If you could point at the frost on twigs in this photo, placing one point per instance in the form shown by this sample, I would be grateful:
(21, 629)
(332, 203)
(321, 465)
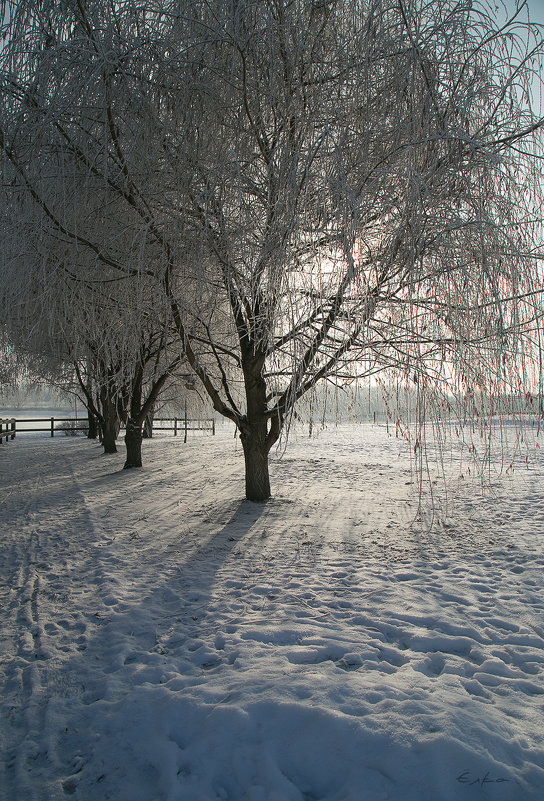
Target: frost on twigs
(274, 197)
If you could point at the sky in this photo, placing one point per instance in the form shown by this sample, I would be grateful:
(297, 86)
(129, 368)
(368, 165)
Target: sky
(536, 9)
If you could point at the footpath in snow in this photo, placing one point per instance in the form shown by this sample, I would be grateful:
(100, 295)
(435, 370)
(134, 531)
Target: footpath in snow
(164, 640)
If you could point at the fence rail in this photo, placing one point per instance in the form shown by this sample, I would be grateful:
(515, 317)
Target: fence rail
(183, 425)
(9, 428)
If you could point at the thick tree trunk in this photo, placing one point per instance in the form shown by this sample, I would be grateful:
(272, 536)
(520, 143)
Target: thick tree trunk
(133, 442)
(92, 431)
(254, 428)
(256, 464)
(109, 435)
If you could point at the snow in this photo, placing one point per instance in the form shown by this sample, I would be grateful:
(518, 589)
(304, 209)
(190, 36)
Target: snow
(164, 640)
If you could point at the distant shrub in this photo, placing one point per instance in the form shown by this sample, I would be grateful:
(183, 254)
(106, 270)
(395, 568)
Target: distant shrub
(72, 428)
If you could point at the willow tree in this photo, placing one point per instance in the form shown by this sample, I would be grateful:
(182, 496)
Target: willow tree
(88, 332)
(79, 265)
(319, 189)
(365, 190)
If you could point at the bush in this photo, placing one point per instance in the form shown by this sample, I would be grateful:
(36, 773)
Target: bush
(73, 427)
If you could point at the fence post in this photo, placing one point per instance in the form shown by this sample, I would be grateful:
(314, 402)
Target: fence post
(213, 427)
(52, 426)
(175, 426)
(1, 430)
(185, 437)
(13, 427)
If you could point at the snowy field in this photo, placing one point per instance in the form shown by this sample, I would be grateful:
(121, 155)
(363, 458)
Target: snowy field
(163, 640)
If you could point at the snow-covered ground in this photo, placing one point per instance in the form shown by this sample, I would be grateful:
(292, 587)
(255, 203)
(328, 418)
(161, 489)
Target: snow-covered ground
(164, 640)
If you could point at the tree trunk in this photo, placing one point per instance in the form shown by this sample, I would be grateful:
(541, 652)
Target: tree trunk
(92, 432)
(256, 463)
(110, 423)
(109, 434)
(148, 425)
(133, 442)
(254, 427)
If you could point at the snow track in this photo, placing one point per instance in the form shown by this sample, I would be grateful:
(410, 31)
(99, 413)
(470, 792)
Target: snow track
(163, 640)
(47, 588)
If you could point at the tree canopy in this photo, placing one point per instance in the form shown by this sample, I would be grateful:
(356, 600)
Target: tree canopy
(302, 191)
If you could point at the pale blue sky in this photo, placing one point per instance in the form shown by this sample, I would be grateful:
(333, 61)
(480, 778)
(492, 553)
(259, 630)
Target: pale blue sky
(536, 10)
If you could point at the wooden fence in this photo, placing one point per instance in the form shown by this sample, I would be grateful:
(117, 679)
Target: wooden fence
(69, 425)
(7, 429)
(178, 425)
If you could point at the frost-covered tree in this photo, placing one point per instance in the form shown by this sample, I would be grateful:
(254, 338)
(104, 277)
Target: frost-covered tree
(97, 339)
(365, 189)
(77, 260)
(319, 190)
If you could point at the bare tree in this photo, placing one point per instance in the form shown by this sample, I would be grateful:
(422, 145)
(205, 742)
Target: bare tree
(320, 190)
(364, 187)
(77, 254)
